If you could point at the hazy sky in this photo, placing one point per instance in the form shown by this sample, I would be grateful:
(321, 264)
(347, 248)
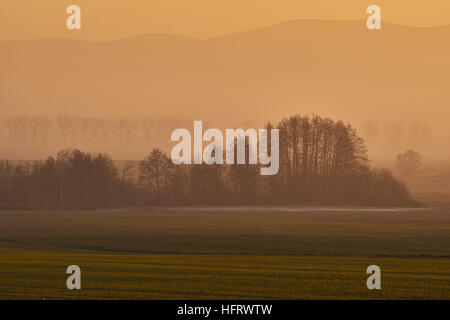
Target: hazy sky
(114, 19)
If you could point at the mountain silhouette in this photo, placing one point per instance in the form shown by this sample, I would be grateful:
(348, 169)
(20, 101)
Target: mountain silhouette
(334, 68)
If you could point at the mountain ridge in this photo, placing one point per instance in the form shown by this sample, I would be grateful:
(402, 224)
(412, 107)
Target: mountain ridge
(259, 28)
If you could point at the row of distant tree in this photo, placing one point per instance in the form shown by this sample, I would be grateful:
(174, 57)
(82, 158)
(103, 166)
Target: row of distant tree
(69, 129)
(396, 132)
(321, 162)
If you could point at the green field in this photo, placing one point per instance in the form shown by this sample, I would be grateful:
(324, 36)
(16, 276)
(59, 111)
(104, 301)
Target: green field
(200, 253)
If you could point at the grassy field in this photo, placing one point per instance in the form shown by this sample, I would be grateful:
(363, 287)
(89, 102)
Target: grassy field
(212, 253)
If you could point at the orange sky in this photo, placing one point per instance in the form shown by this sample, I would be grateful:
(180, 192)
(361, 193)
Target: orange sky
(113, 19)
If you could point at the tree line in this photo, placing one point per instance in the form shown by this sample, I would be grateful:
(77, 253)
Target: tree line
(394, 133)
(68, 129)
(321, 162)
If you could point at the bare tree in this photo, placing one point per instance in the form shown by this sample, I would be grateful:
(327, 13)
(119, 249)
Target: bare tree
(126, 172)
(419, 132)
(64, 123)
(153, 171)
(408, 163)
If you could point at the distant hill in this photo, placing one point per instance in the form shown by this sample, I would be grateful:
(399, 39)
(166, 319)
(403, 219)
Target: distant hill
(333, 68)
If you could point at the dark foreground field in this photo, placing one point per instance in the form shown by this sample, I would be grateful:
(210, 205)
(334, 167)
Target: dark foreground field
(217, 253)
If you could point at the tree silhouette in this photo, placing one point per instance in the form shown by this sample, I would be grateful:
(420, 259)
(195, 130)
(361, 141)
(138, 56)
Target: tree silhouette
(408, 163)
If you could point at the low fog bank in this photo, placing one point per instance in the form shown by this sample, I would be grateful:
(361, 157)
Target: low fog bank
(34, 137)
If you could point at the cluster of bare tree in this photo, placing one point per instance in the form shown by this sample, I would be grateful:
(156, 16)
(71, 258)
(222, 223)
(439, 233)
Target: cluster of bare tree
(24, 128)
(408, 162)
(69, 130)
(321, 162)
(396, 133)
(73, 179)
